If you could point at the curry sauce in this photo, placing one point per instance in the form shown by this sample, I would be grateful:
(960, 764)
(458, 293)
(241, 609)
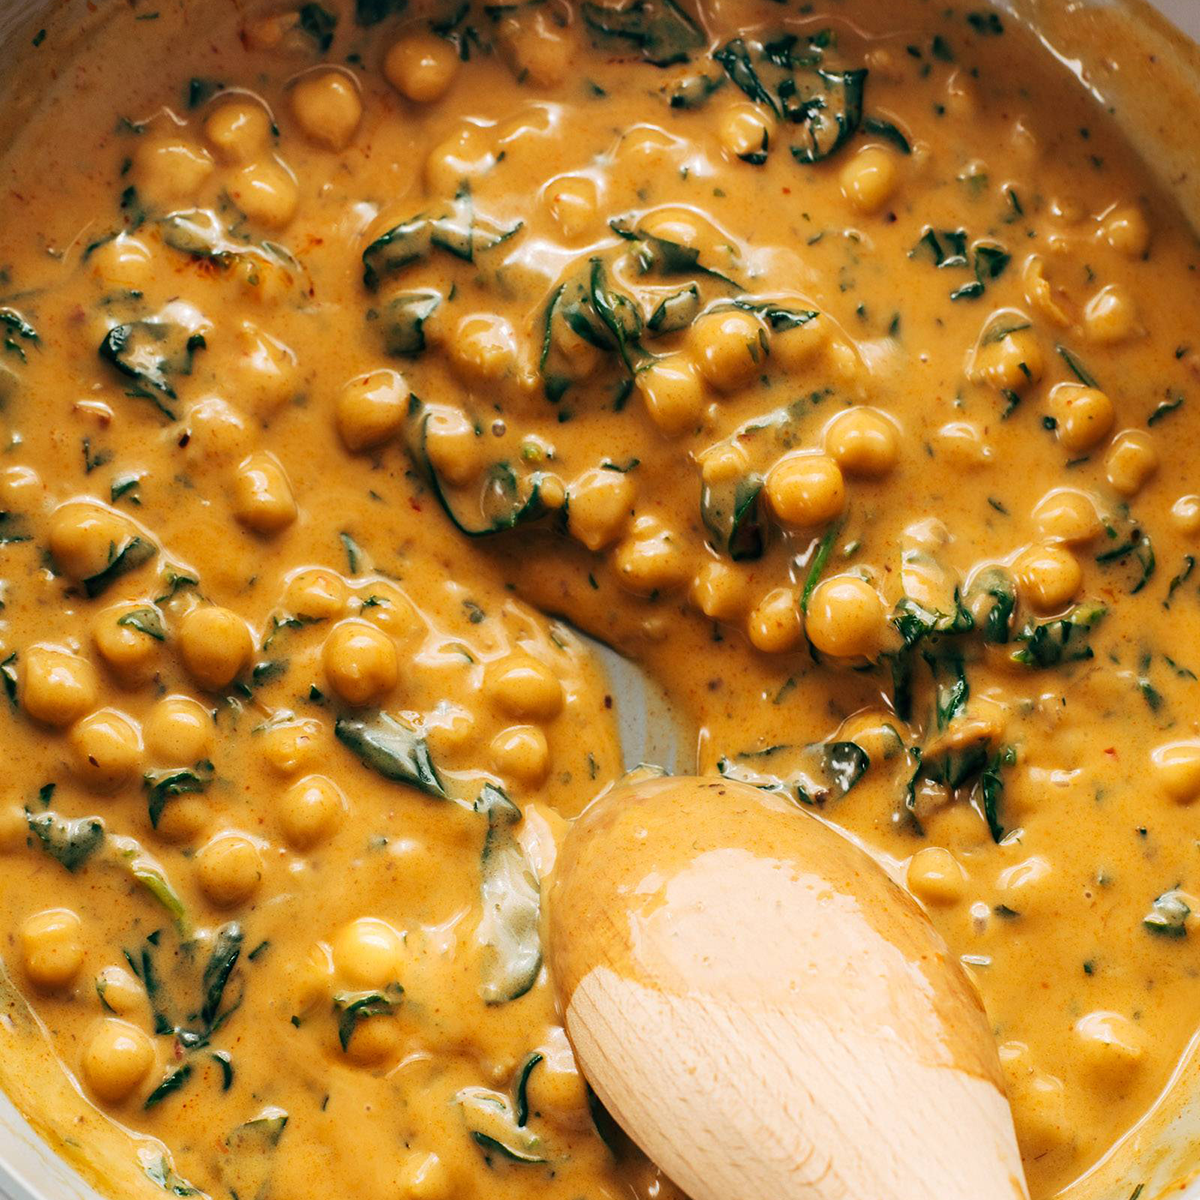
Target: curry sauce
(836, 362)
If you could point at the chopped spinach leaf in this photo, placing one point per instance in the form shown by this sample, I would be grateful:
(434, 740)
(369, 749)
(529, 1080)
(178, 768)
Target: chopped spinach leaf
(1136, 551)
(508, 937)
(1164, 408)
(1077, 368)
(172, 1081)
(991, 789)
(459, 231)
(504, 495)
(134, 552)
(813, 774)
(1063, 640)
(1189, 565)
(319, 23)
(1168, 916)
(819, 560)
(732, 514)
(492, 1122)
(371, 12)
(889, 132)
(660, 30)
(164, 786)
(145, 620)
(394, 750)
(69, 842)
(355, 1007)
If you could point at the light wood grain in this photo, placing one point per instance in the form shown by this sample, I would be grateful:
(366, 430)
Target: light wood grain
(765, 1012)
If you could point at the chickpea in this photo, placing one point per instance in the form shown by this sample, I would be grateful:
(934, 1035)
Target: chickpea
(723, 463)
(743, 131)
(1040, 1113)
(367, 953)
(19, 484)
(266, 192)
(122, 641)
(125, 262)
(238, 130)
(1176, 768)
(265, 373)
(118, 1056)
(1067, 515)
(229, 868)
(119, 991)
(83, 535)
(291, 746)
(869, 179)
(316, 594)
(795, 349)
(1111, 1047)
(215, 645)
(327, 107)
(730, 347)
(56, 686)
(645, 149)
(673, 393)
(573, 202)
(452, 445)
(390, 609)
(108, 749)
(360, 661)
(650, 560)
(521, 753)
(775, 625)
(846, 617)
(1130, 462)
(1110, 315)
(720, 591)
(963, 444)
(1127, 231)
(1185, 514)
(14, 828)
(426, 1177)
(483, 349)
(935, 876)
(1028, 884)
(52, 948)
(184, 819)
(1083, 416)
(863, 442)
(1012, 363)
(1048, 576)
(374, 1041)
(461, 156)
(262, 496)
(371, 409)
(170, 170)
(558, 1094)
(600, 502)
(805, 489)
(421, 66)
(178, 731)
(218, 433)
(523, 687)
(311, 810)
(539, 45)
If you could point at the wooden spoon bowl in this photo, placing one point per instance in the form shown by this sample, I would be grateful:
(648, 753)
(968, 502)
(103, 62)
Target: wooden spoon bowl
(764, 1011)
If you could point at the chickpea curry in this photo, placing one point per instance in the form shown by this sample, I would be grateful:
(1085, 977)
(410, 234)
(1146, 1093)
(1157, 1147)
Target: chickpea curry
(836, 362)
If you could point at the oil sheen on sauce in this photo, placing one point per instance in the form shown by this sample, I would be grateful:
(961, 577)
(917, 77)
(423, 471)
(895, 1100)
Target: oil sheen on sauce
(838, 362)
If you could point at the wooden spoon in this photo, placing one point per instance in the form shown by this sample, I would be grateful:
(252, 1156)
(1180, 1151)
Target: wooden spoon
(764, 1011)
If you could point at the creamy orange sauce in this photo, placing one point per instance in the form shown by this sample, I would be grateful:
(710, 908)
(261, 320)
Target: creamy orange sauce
(883, 464)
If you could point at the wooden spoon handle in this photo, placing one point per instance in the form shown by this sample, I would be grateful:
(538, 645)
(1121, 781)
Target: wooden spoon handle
(845, 1117)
